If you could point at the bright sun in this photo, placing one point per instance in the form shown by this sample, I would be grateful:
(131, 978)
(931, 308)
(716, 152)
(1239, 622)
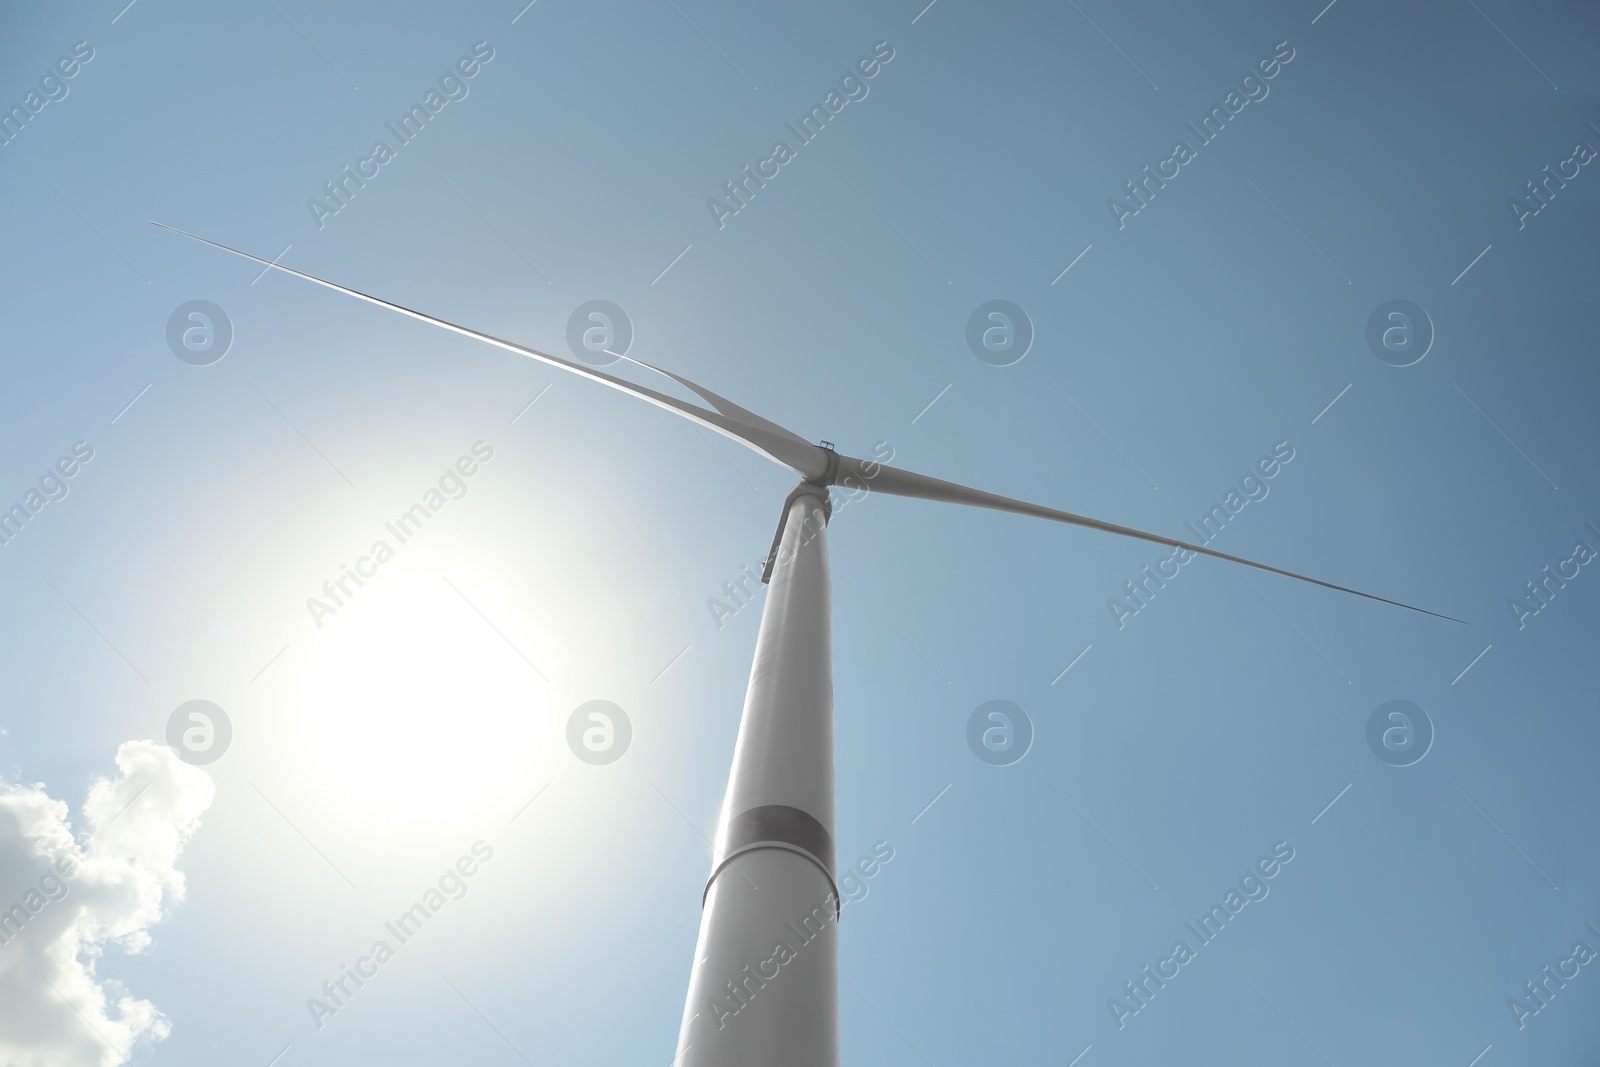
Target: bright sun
(412, 706)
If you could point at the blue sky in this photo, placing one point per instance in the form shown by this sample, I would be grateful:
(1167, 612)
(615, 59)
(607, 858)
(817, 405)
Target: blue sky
(372, 752)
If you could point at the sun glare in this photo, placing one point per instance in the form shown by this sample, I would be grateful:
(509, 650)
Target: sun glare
(411, 706)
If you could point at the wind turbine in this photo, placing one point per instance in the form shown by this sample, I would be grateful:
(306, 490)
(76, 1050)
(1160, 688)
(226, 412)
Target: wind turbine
(763, 986)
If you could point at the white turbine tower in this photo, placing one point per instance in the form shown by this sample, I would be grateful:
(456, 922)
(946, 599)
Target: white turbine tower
(763, 986)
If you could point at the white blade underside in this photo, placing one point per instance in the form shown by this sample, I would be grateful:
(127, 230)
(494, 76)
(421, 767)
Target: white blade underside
(793, 451)
(879, 478)
(768, 438)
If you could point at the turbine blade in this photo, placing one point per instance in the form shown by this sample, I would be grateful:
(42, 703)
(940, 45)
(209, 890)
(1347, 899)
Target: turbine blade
(729, 419)
(723, 405)
(879, 478)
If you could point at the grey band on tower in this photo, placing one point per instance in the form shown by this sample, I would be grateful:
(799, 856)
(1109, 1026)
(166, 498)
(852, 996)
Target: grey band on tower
(777, 826)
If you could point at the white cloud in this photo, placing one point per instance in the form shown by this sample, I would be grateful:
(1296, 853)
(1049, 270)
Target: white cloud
(61, 900)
